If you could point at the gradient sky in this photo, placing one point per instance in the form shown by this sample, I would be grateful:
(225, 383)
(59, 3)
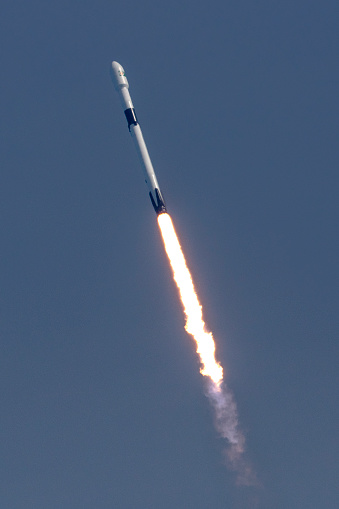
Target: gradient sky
(102, 403)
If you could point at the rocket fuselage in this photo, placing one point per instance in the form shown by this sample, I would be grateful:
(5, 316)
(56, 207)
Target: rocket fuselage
(121, 85)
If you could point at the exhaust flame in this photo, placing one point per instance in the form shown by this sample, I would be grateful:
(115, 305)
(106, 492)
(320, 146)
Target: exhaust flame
(195, 324)
(221, 398)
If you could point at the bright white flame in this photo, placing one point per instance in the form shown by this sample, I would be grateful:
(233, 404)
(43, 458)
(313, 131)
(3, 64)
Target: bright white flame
(195, 324)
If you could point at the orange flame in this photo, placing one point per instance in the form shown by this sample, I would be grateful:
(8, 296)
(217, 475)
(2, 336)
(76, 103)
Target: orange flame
(195, 324)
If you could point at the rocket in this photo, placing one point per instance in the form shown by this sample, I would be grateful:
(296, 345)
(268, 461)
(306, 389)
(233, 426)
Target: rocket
(121, 85)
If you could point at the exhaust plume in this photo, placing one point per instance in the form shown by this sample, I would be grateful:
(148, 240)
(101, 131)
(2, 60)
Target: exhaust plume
(221, 398)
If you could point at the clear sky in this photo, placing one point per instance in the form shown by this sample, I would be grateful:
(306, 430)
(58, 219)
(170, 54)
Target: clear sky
(102, 403)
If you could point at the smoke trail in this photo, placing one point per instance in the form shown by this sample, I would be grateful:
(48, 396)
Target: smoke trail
(226, 416)
(227, 425)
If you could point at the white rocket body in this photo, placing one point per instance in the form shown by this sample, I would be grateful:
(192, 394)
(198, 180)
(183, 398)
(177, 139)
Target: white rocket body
(121, 85)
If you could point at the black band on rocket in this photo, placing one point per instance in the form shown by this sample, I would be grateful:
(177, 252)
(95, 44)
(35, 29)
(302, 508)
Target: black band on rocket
(160, 206)
(131, 117)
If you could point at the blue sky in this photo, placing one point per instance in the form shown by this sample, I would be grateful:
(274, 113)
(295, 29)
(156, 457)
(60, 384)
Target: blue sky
(102, 403)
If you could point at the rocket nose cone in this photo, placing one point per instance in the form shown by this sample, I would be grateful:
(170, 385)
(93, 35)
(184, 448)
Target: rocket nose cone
(116, 65)
(118, 76)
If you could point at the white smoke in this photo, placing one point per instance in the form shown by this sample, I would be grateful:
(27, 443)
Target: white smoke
(227, 425)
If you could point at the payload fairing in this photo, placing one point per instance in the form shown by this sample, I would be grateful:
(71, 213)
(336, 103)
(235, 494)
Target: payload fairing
(121, 85)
